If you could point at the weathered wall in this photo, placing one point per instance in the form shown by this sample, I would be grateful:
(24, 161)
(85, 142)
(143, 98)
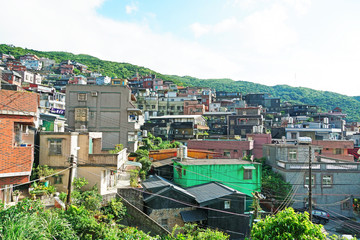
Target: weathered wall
(172, 215)
(136, 218)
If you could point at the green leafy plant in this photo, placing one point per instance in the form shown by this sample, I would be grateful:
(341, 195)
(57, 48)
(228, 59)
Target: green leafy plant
(118, 148)
(287, 225)
(193, 232)
(44, 171)
(134, 175)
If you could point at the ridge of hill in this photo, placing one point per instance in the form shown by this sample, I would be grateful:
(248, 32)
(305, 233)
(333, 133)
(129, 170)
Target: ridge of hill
(325, 100)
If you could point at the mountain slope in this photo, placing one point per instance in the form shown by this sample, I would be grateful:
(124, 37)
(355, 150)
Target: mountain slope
(324, 99)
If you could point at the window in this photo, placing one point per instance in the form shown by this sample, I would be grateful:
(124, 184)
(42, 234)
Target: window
(164, 222)
(242, 121)
(226, 204)
(23, 136)
(132, 137)
(292, 154)
(338, 151)
(327, 181)
(82, 96)
(55, 146)
(346, 205)
(227, 153)
(306, 181)
(81, 114)
(58, 179)
(248, 174)
(293, 136)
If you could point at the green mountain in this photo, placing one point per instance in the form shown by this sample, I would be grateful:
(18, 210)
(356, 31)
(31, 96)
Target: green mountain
(324, 99)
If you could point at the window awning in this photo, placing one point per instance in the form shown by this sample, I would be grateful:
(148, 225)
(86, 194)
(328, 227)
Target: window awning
(249, 167)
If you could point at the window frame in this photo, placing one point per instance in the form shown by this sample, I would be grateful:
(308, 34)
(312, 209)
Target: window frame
(331, 179)
(82, 97)
(52, 142)
(247, 174)
(164, 222)
(291, 153)
(227, 204)
(306, 177)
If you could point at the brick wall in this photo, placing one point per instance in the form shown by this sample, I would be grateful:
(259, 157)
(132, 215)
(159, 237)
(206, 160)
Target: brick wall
(14, 159)
(259, 141)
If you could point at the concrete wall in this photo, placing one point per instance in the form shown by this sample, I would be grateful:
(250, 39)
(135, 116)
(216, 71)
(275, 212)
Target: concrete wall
(107, 112)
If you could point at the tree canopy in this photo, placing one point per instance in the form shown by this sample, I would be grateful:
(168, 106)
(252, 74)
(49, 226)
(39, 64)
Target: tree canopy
(287, 225)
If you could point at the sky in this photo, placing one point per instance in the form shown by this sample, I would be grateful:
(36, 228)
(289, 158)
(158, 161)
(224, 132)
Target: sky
(307, 43)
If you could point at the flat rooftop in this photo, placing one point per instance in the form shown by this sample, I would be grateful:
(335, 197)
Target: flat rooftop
(225, 161)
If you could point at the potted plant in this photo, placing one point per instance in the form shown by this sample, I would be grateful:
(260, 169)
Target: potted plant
(16, 195)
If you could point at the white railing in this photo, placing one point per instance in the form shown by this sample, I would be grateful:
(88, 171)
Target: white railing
(304, 166)
(341, 166)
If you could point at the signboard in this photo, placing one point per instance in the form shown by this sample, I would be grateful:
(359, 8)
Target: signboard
(57, 111)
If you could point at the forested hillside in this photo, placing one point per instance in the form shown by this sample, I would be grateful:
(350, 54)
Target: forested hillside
(324, 99)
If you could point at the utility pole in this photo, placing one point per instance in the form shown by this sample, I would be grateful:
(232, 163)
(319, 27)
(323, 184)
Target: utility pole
(68, 197)
(310, 185)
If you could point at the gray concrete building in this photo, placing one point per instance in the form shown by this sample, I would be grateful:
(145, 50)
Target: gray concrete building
(335, 183)
(107, 109)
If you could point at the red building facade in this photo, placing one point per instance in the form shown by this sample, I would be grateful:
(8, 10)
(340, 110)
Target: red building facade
(18, 114)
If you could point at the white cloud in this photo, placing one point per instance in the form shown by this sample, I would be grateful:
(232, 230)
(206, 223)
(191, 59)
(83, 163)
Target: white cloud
(84, 31)
(300, 6)
(131, 8)
(265, 46)
(264, 31)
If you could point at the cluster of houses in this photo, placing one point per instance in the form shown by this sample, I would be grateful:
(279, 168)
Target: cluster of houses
(49, 115)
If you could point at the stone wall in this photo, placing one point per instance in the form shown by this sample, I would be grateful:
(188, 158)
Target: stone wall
(136, 218)
(172, 216)
(133, 196)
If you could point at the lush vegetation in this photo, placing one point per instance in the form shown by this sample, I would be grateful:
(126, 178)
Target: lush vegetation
(30, 220)
(324, 99)
(287, 225)
(273, 186)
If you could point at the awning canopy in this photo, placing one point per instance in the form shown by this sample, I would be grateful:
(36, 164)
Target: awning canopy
(248, 167)
(193, 215)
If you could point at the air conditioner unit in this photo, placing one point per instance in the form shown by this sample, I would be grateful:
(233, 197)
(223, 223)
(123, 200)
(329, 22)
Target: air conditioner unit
(94, 94)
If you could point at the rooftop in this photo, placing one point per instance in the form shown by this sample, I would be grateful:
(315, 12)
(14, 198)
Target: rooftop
(176, 116)
(210, 191)
(214, 162)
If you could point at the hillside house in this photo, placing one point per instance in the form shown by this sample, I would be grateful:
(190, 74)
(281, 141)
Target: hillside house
(19, 119)
(334, 181)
